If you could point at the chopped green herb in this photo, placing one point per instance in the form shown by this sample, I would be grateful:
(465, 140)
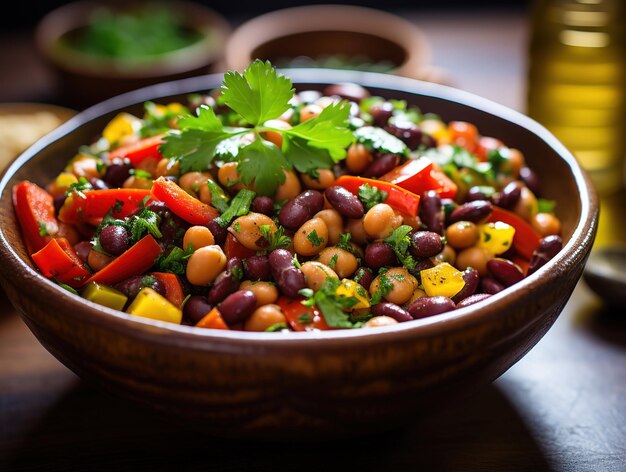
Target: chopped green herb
(371, 196)
(315, 239)
(140, 173)
(305, 318)
(43, 229)
(144, 222)
(400, 242)
(332, 305)
(277, 239)
(378, 139)
(175, 261)
(239, 206)
(545, 205)
(276, 327)
(219, 198)
(333, 261)
(79, 187)
(384, 287)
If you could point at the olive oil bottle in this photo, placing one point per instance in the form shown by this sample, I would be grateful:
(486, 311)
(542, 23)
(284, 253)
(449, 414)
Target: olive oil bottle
(577, 82)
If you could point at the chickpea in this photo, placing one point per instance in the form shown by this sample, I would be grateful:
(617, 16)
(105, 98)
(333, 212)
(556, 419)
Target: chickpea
(527, 205)
(98, 260)
(137, 182)
(167, 167)
(311, 237)
(402, 286)
(315, 273)
(326, 179)
(355, 228)
(191, 182)
(228, 176)
(204, 194)
(197, 237)
(334, 223)
(413, 221)
(310, 111)
(290, 188)
(380, 221)
(264, 317)
(546, 224)
(265, 292)
(84, 166)
(205, 264)
(358, 158)
(475, 257)
(341, 261)
(379, 321)
(513, 164)
(417, 293)
(447, 254)
(274, 136)
(148, 165)
(462, 234)
(246, 230)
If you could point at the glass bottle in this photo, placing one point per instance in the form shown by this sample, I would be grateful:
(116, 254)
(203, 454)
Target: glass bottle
(577, 82)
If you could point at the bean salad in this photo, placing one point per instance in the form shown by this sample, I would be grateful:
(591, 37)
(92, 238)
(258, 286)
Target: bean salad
(255, 207)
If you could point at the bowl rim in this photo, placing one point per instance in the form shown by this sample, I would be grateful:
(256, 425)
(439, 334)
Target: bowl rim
(213, 27)
(575, 248)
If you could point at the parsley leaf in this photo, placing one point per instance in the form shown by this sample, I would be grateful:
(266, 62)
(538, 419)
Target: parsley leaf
(263, 163)
(331, 305)
(314, 238)
(277, 239)
(79, 187)
(380, 140)
(305, 158)
(144, 222)
(371, 196)
(384, 287)
(175, 261)
(238, 207)
(400, 242)
(260, 94)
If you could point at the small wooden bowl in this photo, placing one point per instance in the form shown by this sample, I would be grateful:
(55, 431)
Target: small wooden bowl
(84, 79)
(299, 385)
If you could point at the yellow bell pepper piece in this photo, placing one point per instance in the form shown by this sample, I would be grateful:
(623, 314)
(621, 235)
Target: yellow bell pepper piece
(103, 295)
(443, 279)
(496, 237)
(437, 129)
(350, 288)
(64, 180)
(124, 124)
(150, 304)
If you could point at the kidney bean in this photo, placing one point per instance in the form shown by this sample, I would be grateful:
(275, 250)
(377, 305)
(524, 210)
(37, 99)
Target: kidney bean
(504, 271)
(219, 233)
(196, 308)
(344, 202)
(471, 279)
(426, 244)
(99, 184)
(227, 282)
(379, 254)
(82, 249)
(490, 285)
(431, 212)
(131, 286)
(381, 165)
(288, 277)
(381, 112)
(118, 170)
(509, 195)
(407, 131)
(257, 268)
(238, 306)
(262, 204)
(293, 215)
(474, 211)
(347, 90)
(429, 306)
(428, 141)
(548, 248)
(114, 239)
(391, 310)
(477, 297)
(531, 180)
(172, 228)
(475, 193)
(364, 276)
(311, 199)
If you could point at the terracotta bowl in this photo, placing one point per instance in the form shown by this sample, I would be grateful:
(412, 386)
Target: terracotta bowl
(298, 385)
(84, 79)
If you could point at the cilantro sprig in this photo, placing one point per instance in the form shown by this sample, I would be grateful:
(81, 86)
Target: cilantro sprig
(332, 305)
(400, 242)
(371, 196)
(258, 95)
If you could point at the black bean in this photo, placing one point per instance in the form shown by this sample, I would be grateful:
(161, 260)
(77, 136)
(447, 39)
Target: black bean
(364, 276)
(381, 112)
(257, 268)
(504, 271)
(114, 239)
(471, 279)
(426, 244)
(344, 202)
(196, 308)
(406, 131)
(381, 165)
(490, 285)
(509, 195)
(311, 199)
(219, 233)
(429, 306)
(238, 306)
(391, 310)
(531, 180)
(431, 212)
(379, 254)
(82, 249)
(117, 171)
(289, 279)
(262, 204)
(347, 90)
(475, 212)
(131, 286)
(477, 297)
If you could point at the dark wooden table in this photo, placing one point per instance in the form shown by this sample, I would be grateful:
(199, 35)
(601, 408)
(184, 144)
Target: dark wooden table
(562, 407)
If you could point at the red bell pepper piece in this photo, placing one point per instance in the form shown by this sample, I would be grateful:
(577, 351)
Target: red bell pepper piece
(134, 261)
(59, 260)
(404, 201)
(173, 289)
(93, 205)
(34, 208)
(212, 320)
(526, 238)
(419, 176)
(181, 203)
(143, 149)
(300, 317)
(233, 248)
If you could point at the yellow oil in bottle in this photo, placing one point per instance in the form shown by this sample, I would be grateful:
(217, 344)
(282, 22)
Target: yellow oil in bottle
(577, 82)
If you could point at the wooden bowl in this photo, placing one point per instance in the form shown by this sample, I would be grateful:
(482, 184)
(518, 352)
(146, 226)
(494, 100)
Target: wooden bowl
(84, 79)
(298, 385)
